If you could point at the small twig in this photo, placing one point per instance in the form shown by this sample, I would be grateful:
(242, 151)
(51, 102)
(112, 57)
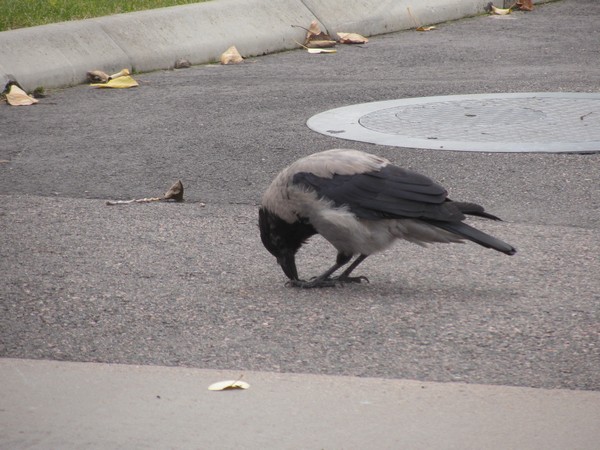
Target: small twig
(175, 193)
(300, 43)
(300, 26)
(139, 200)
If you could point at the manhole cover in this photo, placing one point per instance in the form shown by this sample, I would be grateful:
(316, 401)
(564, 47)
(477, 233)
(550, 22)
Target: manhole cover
(553, 122)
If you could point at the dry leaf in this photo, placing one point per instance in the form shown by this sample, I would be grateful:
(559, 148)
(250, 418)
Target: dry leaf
(182, 63)
(231, 56)
(500, 11)
(97, 76)
(314, 33)
(18, 97)
(320, 44)
(428, 28)
(321, 50)
(352, 38)
(313, 29)
(122, 82)
(175, 192)
(122, 73)
(228, 385)
(525, 5)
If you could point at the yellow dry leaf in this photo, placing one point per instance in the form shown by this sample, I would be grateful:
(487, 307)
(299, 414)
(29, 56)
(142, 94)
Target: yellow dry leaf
(500, 11)
(231, 56)
(122, 73)
(122, 82)
(352, 38)
(228, 385)
(18, 97)
(321, 50)
(428, 28)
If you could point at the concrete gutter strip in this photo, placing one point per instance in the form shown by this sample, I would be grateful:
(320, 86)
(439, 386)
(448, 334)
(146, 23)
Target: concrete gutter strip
(49, 404)
(59, 55)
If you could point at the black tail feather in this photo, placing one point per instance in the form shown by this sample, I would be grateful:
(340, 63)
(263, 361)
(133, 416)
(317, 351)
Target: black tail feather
(473, 209)
(479, 237)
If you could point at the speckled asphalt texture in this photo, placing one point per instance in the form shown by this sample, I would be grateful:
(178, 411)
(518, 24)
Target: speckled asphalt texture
(191, 285)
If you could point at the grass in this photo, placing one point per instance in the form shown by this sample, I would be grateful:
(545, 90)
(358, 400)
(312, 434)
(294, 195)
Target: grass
(29, 13)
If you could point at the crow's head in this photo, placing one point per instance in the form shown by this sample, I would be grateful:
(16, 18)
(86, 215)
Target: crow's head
(283, 239)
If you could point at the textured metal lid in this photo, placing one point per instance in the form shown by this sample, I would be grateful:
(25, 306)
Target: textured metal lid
(552, 122)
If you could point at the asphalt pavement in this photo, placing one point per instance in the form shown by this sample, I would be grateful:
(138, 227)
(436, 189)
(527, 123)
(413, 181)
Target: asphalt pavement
(190, 286)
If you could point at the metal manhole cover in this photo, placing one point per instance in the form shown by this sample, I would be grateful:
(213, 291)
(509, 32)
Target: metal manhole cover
(552, 122)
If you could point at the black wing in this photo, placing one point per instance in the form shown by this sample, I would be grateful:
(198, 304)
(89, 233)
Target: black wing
(391, 192)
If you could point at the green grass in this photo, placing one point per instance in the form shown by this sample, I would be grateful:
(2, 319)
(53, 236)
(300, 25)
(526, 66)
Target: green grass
(29, 13)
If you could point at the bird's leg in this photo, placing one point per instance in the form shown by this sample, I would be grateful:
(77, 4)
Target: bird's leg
(324, 279)
(344, 276)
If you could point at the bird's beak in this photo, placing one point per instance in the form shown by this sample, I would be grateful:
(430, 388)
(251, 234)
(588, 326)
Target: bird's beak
(287, 261)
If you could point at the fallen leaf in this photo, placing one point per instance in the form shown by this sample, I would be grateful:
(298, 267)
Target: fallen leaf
(428, 28)
(228, 385)
(122, 82)
(320, 44)
(122, 73)
(18, 97)
(182, 63)
(352, 38)
(97, 76)
(231, 56)
(321, 50)
(175, 192)
(314, 33)
(500, 11)
(525, 5)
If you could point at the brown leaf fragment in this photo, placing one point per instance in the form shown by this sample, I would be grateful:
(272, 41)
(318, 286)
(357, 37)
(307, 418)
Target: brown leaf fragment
(97, 76)
(182, 63)
(175, 192)
(320, 44)
(525, 5)
(352, 38)
(314, 33)
(18, 97)
(231, 56)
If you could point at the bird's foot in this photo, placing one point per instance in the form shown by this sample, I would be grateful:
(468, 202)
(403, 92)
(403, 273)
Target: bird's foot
(359, 279)
(326, 282)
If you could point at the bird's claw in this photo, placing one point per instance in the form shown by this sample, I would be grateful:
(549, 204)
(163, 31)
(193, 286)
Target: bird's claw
(358, 279)
(325, 282)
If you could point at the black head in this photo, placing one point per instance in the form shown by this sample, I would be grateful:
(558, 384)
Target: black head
(283, 239)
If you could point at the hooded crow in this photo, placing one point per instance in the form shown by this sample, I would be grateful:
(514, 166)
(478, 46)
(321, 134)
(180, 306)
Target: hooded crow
(361, 204)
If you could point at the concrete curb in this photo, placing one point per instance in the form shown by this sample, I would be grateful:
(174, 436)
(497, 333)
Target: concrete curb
(50, 404)
(59, 55)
